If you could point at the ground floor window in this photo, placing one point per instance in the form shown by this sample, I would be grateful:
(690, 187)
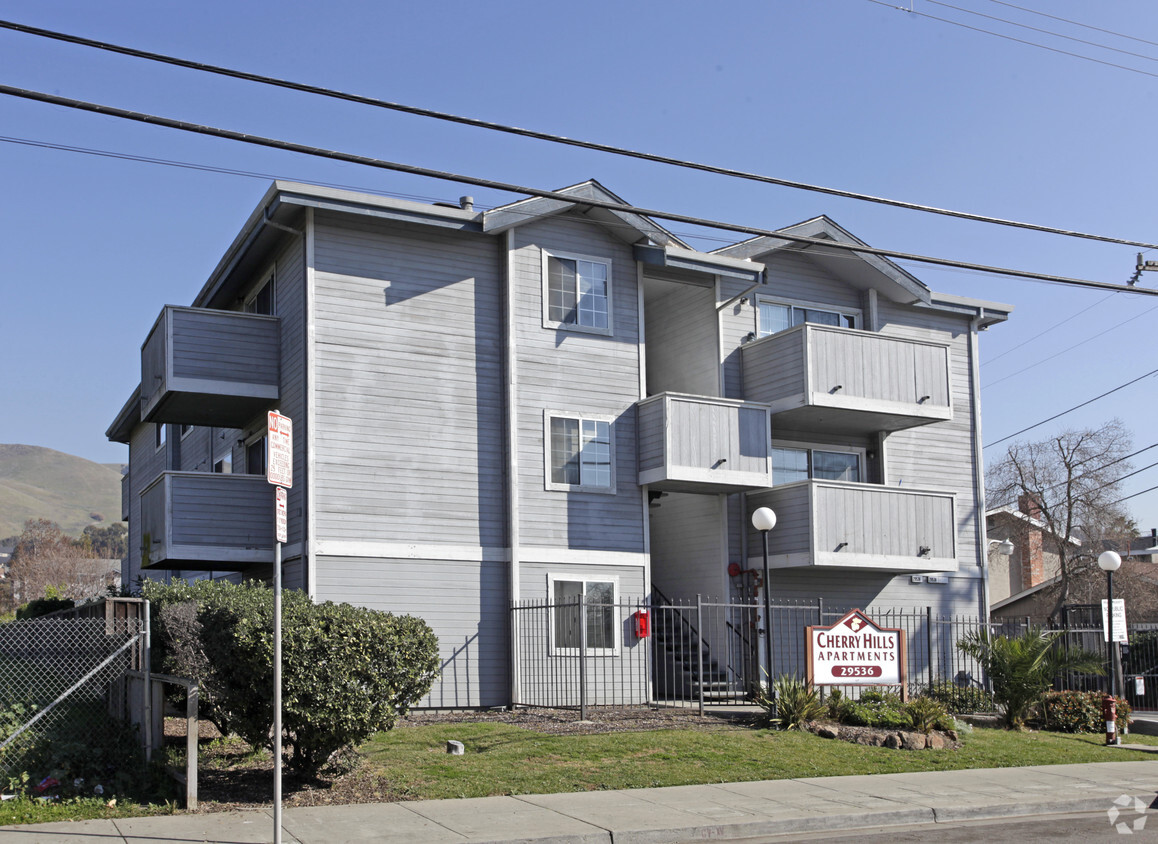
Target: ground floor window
(599, 608)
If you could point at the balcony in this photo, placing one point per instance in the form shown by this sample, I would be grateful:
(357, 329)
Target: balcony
(703, 444)
(840, 525)
(842, 381)
(203, 521)
(206, 367)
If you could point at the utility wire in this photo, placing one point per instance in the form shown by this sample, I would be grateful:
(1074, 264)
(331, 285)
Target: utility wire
(1011, 38)
(1069, 348)
(1039, 334)
(546, 136)
(1043, 31)
(1075, 23)
(1135, 495)
(1072, 409)
(1092, 471)
(381, 164)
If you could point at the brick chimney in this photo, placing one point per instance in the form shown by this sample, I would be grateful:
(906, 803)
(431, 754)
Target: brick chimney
(1032, 559)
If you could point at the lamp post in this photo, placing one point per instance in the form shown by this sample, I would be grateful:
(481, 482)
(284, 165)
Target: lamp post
(1109, 562)
(764, 519)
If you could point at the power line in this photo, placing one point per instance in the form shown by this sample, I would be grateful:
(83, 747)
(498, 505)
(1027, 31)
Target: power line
(1072, 409)
(1075, 23)
(1071, 318)
(1070, 348)
(1092, 471)
(1043, 31)
(569, 199)
(1015, 40)
(546, 136)
(1135, 495)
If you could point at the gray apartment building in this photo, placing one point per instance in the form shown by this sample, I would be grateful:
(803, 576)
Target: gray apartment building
(549, 400)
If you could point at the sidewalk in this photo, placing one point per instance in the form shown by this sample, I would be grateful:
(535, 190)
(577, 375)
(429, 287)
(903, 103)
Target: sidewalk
(655, 815)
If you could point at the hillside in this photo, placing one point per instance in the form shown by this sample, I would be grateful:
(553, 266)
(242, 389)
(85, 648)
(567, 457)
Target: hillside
(39, 483)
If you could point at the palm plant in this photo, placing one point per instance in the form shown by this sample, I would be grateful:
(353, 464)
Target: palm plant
(1023, 667)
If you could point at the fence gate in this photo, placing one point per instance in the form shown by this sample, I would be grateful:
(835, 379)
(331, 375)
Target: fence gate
(55, 676)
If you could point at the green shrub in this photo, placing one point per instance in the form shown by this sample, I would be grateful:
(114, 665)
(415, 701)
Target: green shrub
(1022, 668)
(959, 699)
(926, 714)
(793, 703)
(1080, 712)
(348, 671)
(839, 707)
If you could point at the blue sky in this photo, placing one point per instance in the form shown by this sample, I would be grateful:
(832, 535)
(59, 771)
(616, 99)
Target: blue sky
(845, 93)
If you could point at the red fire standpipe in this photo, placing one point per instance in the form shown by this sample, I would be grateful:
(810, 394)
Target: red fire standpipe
(1110, 713)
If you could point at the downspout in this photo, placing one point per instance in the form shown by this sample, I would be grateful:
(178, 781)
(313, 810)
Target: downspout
(510, 349)
(309, 516)
(979, 462)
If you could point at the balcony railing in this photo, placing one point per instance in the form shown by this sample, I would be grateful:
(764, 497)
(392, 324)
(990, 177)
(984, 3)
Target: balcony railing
(859, 526)
(843, 381)
(207, 367)
(203, 520)
(703, 444)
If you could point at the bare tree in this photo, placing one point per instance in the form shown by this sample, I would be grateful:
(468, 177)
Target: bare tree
(1072, 481)
(46, 557)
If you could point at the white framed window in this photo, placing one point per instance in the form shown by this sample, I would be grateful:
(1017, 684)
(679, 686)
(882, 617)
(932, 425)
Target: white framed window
(773, 317)
(161, 432)
(598, 615)
(579, 452)
(186, 430)
(261, 299)
(576, 292)
(792, 463)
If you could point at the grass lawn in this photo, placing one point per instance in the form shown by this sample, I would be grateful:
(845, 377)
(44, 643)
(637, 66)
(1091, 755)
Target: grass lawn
(411, 763)
(501, 759)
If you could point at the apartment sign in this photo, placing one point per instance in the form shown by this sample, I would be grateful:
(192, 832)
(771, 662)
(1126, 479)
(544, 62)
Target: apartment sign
(856, 651)
(279, 461)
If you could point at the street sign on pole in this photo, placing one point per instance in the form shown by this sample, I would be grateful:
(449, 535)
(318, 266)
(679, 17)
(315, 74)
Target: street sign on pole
(279, 514)
(279, 464)
(1119, 621)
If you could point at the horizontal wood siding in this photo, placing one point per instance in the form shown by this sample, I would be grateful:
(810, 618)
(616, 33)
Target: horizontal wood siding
(736, 322)
(793, 276)
(687, 546)
(465, 603)
(941, 455)
(408, 356)
(290, 307)
(793, 532)
(579, 373)
(225, 346)
(223, 510)
(682, 347)
(870, 590)
(146, 462)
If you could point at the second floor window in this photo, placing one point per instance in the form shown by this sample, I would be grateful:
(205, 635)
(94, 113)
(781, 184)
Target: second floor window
(577, 293)
(579, 454)
(774, 317)
(801, 464)
(255, 457)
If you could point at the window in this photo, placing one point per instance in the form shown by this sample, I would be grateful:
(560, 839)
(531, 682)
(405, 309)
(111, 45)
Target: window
(255, 456)
(773, 317)
(599, 608)
(799, 464)
(186, 430)
(577, 293)
(162, 433)
(261, 302)
(579, 454)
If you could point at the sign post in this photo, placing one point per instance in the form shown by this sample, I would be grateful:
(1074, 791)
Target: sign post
(856, 652)
(279, 470)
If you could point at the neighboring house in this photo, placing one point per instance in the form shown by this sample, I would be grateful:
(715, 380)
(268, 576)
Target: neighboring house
(548, 400)
(1144, 548)
(1035, 559)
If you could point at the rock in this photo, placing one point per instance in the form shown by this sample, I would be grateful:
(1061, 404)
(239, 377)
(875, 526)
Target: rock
(953, 736)
(913, 741)
(935, 741)
(893, 741)
(825, 731)
(455, 748)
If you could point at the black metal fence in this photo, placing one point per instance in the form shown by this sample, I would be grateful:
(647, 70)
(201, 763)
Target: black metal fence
(706, 653)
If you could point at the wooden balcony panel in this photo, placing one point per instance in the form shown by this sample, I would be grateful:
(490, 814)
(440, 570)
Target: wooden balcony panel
(208, 367)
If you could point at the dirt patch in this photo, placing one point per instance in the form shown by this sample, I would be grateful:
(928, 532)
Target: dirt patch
(232, 777)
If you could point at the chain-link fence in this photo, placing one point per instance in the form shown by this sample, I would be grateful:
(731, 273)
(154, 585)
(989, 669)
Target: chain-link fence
(55, 676)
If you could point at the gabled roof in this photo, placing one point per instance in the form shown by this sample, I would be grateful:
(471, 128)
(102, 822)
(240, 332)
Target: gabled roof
(870, 271)
(628, 227)
(1014, 513)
